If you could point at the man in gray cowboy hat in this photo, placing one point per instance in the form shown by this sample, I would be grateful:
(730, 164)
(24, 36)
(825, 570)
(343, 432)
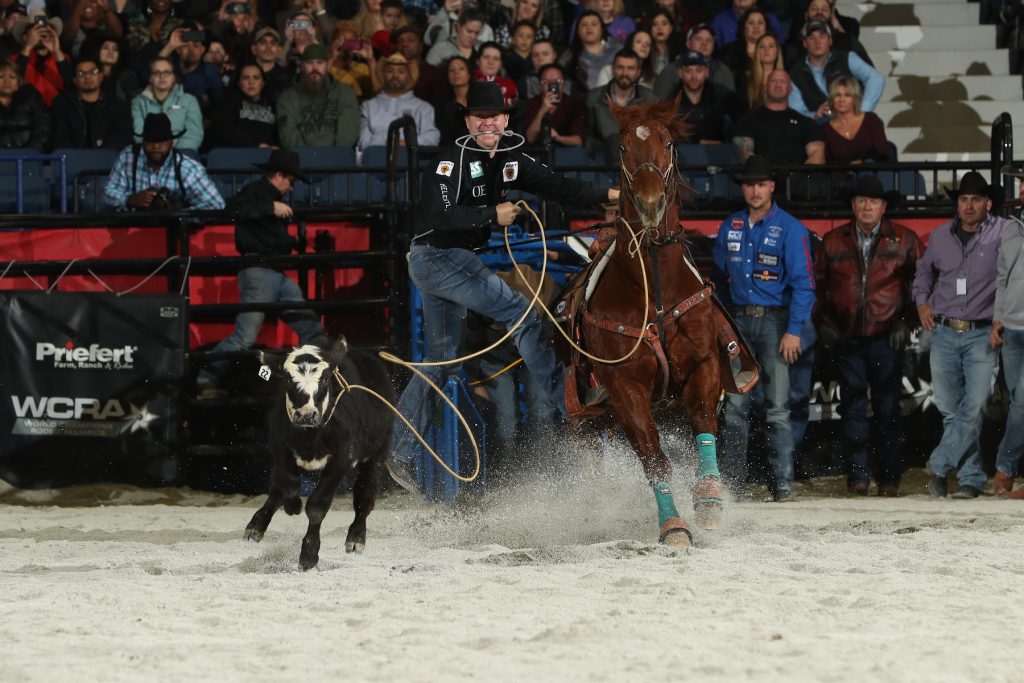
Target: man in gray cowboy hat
(464, 197)
(955, 289)
(763, 263)
(261, 220)
(155, 176)
(864, 270)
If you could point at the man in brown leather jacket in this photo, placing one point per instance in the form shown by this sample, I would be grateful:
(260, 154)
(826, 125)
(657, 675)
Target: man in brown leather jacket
(864, 270)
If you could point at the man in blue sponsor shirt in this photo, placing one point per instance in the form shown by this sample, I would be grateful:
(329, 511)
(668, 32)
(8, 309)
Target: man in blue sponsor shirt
(763, 260)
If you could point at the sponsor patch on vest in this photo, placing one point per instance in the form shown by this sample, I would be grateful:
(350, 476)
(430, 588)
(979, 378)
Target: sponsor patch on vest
(476, 169)
(766, 275)
(771, 242)
(445, 168)
(511, 171)
(764, 259)
(737, 222)
(735, 235)
(733, 246)
(774, 231)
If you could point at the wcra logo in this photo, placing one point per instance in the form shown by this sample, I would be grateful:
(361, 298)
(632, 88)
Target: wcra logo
(78, 416)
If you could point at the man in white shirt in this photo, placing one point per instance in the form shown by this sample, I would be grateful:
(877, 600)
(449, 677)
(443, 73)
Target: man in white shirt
(394, 101)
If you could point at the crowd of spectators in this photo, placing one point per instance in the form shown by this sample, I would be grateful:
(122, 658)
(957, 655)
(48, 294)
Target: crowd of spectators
(241, 73)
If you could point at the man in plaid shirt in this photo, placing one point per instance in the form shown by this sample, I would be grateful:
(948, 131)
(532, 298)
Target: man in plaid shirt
(157, 177)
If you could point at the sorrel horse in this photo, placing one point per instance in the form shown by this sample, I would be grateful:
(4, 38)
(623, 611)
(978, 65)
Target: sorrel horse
(679, 357)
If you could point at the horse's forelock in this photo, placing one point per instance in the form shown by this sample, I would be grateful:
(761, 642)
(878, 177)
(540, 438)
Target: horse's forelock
(659, 112)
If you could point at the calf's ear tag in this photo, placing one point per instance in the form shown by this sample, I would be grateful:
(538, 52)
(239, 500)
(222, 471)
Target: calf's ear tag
(264, 373)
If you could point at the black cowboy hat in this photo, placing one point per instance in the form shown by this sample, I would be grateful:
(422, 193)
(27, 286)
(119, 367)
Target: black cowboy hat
(975, 183)
(756, 169)
(157, 128)
(283, 161)
(485, 97)
(871, 186)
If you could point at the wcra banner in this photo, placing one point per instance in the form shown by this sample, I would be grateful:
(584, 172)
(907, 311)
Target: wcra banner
(90, 386)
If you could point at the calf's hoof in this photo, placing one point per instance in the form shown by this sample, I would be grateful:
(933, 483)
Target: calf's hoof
(355, 542)
(675, 533)
(253, 534)
(293, 506)
(307, 563)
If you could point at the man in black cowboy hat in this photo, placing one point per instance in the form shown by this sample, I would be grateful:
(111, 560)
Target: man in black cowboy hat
(955, 289)
(261, 229)
(864, 271)
(463, 199)
(763, 261)
(155, 176)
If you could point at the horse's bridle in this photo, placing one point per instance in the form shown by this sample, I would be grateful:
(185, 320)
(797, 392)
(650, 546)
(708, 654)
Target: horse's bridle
(670, 187)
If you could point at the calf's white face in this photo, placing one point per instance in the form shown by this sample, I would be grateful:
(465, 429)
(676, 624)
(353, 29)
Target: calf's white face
(308, 380)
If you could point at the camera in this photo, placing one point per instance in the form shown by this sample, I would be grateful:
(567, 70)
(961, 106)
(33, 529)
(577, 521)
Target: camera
(193, 36)
(237, 8)
(553, 88)
(298, 24)
(161, 200)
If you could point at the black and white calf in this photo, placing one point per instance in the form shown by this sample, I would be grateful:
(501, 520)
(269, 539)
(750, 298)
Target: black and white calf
(316, 425)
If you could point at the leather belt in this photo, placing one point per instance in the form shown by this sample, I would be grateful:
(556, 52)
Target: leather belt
(958, 325)
(759, 311)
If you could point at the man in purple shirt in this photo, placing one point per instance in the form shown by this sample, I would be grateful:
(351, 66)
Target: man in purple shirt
(954, 290)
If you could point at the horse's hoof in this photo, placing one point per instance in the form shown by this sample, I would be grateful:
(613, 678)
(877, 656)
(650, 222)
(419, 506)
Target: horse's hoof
(707, 503)
(354, 547)
(708, 516)
(252, 534)
(675, 533)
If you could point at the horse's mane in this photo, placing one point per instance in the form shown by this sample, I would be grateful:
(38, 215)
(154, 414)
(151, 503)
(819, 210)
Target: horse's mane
(666, 113)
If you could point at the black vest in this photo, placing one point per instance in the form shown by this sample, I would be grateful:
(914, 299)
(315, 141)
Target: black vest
(838, 65)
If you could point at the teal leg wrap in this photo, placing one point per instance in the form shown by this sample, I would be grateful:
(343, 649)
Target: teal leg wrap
(708, 450)
(663, 497)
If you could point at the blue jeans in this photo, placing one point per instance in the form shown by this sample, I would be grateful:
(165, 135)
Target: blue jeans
(801, 380)
(503, 391)
(263, 285)
(452, 281)
(870, 363)
(963, 365)
(1012, 446)
(763, 335)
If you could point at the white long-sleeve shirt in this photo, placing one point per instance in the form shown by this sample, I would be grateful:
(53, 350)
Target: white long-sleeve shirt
(378, 113)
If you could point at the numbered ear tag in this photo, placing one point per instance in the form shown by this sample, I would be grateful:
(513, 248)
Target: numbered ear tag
(264, 373)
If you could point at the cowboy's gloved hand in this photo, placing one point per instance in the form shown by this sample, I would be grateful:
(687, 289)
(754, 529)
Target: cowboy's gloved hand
(828, 336)
(899, 334)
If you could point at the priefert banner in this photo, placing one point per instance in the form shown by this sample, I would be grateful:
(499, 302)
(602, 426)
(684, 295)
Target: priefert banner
(90, 383)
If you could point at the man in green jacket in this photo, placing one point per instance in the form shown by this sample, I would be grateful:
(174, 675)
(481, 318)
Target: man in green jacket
(317, 111)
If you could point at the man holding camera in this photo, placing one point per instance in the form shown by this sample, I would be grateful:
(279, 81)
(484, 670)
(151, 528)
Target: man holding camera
(42, 64)
(561, 114)
(198, 78)
(154, 176)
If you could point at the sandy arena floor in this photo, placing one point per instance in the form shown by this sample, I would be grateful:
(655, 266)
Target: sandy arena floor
(558, 580)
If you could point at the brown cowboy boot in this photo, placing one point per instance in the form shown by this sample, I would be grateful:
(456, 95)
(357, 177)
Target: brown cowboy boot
(1002, 484)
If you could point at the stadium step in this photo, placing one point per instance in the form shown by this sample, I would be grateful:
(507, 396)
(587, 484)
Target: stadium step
(929, 38)
(954, 88)
(943, 113)
(953, 13)
(922, 62)
(944, 143)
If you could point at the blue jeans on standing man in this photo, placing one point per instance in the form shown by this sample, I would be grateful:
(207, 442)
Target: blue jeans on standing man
(763, 334)
(963, 365)
(452, 281)
(1012, 445)
(871, 363)
(263, 285)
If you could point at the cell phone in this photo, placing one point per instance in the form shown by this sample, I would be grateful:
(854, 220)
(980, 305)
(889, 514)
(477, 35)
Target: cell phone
(351, 45)
(40, 21)
(298, 24)
(237, 8)
(193, 36)
(553, 88)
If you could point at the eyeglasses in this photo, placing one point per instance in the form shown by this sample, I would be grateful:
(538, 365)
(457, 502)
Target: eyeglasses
(161, 73)
(90, 72)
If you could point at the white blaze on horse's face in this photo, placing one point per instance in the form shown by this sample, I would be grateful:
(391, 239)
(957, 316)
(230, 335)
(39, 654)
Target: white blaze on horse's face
(307, 391)
(648, 165)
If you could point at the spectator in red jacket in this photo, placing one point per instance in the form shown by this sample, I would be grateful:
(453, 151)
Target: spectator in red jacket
(41, 61)
(864, 270)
